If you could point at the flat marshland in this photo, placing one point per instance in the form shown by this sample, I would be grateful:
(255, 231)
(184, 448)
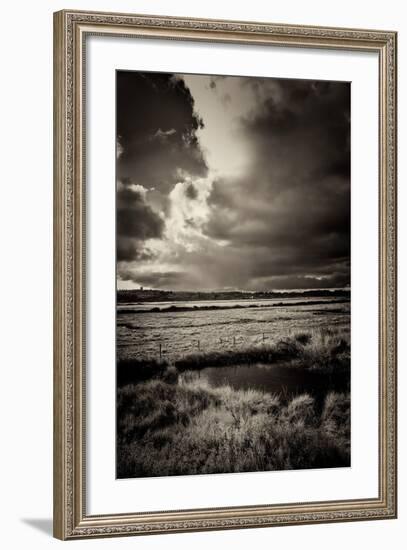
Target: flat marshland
(240, 400)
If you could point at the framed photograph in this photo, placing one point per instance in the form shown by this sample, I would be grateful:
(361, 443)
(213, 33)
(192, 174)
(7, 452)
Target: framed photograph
(225, 274)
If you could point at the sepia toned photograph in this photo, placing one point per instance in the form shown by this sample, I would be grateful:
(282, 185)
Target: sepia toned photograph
(233, 307)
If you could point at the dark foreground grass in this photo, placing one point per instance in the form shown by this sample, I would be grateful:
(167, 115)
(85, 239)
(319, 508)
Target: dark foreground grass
(188, 427)
(172, 422)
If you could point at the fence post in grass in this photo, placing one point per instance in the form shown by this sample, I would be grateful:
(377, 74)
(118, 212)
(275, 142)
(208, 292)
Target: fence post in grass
(263, 337)
(160, 350)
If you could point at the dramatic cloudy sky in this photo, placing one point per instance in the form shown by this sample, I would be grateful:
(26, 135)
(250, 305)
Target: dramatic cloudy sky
(232, 182)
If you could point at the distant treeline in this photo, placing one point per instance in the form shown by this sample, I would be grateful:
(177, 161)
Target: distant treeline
(128, 296)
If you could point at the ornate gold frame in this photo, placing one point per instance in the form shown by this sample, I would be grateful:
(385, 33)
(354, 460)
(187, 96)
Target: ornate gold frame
(70, 518)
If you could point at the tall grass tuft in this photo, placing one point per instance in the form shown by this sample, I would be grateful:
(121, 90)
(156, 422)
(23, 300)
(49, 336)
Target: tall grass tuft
(191, 428)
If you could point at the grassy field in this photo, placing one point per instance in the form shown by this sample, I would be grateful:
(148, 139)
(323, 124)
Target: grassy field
(174, 335)
(170, 421)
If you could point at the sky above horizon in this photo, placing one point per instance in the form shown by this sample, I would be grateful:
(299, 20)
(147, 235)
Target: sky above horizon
(232, 182)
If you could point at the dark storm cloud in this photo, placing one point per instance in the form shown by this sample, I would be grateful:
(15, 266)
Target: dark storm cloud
(294, 200)
(156, 129)
(310, 120)
(135, 218)
(131, 249)
(157, 146)
(136, 222)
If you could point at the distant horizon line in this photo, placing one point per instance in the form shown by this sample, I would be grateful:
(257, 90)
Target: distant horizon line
(143, 289)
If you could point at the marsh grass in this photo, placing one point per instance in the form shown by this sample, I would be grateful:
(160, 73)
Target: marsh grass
(171, 421)
(326, 351)
(191, 428)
